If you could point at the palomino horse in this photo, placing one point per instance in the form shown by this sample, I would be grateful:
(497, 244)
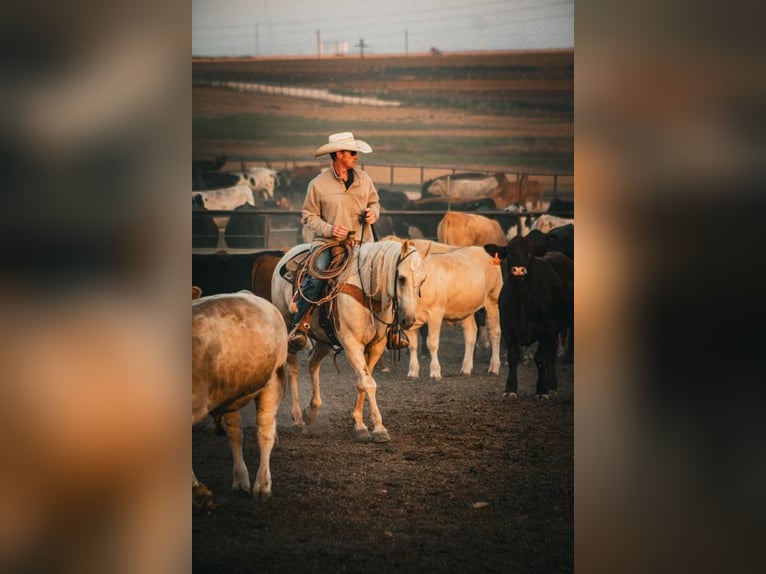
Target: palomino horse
(389, 275)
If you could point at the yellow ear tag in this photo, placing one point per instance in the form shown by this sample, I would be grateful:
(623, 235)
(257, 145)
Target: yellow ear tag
(495, 260)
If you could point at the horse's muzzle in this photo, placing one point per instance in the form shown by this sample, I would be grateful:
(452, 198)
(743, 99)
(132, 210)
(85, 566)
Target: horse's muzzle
(396, 338)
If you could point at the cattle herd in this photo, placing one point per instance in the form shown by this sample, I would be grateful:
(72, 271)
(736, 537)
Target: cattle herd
(519, 281)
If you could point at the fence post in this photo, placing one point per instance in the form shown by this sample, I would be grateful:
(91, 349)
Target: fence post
(392, 175)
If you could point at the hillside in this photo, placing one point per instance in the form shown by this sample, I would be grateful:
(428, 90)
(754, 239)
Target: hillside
(509, 110)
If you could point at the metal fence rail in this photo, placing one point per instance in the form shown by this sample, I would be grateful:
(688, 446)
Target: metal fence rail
(280, 229)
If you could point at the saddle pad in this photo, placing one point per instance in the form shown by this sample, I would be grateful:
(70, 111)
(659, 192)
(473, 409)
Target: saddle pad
(291, 266)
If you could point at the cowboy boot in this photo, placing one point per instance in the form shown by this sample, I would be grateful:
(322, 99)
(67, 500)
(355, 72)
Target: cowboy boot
(296, 340)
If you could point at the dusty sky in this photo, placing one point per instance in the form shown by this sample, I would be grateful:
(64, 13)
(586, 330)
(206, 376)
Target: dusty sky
(291, 27)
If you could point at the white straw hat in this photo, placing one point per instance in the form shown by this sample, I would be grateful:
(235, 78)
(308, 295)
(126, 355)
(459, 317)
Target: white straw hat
(343, 141)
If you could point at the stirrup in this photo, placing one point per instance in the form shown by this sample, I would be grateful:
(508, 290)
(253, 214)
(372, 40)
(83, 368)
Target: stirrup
(297, 338)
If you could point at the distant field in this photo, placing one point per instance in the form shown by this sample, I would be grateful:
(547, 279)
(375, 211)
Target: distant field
(496, 111)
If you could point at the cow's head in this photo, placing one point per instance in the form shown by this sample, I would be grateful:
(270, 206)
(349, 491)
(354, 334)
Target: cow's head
(198, 200)
(519, 252)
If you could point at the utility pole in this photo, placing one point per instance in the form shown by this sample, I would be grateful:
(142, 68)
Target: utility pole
(406, 43)
(361, 45)
(319, 45)
(256, 40)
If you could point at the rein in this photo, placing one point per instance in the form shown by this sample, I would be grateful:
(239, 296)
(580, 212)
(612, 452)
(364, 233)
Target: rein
(394, 300)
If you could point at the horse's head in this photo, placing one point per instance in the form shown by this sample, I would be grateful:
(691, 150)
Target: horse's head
(410, 275)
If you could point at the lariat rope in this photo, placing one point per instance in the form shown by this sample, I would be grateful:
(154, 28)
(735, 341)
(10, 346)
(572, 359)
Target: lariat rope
(332, 272)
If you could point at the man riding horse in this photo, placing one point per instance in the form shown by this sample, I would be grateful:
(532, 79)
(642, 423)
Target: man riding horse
(340, 203)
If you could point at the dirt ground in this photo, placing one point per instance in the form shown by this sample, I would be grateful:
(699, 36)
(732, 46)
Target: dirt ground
(469, 482)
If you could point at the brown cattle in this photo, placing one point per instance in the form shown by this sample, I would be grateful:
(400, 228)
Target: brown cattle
(522, 192)
(239, 350)
(298, 178)
(262, 270)
(460, 228)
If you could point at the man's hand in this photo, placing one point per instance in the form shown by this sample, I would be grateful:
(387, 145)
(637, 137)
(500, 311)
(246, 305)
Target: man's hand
(369, 216)
(339, 231)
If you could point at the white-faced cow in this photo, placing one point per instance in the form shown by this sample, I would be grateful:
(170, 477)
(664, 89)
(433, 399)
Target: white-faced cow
(262, 180)
(239, 350)
(536, 304)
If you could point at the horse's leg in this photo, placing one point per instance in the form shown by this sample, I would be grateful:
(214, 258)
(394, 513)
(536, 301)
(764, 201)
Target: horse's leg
(241, 478)
(493, 327)
(413, 336)
(292, 375)
(365, 385)
(374, 353)
(469, 338)
(202, 498)
(434, 330)
(318, 353)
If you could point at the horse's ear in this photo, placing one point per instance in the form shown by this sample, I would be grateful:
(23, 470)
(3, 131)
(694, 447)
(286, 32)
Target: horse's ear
(406, 244)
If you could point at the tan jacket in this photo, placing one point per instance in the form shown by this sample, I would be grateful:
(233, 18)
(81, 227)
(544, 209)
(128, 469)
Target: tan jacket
(329, 203)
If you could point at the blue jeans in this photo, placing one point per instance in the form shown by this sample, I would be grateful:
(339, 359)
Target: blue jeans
(311, 286)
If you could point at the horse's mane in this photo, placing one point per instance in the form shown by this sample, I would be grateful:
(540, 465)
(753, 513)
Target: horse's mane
(377, 269)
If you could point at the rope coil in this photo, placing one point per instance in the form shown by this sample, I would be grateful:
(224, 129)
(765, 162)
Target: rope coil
(338, 265)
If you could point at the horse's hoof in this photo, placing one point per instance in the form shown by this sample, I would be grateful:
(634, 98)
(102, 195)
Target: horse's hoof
(543, 397)
(241, 487)
(202, 499)
(362, 435)
(261, 494)
(310, 414)
(381, 436)
(510, 396)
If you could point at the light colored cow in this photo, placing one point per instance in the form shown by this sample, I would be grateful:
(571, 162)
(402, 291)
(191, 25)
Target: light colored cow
(462, 228)
(546, 222)
(224, 199)
(239, 350)
(459, 282)
(463, 186)
(262, 180)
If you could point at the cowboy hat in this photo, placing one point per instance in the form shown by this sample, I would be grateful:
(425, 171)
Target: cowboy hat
(343, 141)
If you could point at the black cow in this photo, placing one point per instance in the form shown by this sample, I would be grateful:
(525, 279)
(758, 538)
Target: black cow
(204, 169)
(561, 239)
(393, 199)
(561, 207)
(246, 228)
(204, 229)
(536, 304)
(225, 272)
